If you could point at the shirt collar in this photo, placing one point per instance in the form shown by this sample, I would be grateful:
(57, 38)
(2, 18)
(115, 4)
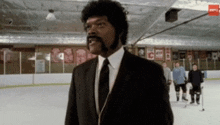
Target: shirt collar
(114, 59)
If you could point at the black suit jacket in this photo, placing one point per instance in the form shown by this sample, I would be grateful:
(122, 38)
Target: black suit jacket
(139, 96)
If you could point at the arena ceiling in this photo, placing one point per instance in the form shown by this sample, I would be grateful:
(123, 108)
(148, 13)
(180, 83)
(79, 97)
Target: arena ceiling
(24, 22)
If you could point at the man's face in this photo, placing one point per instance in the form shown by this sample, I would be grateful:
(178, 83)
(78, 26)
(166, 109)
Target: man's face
(177, 64)
(164, 65)
(100, 34)
(194, 67)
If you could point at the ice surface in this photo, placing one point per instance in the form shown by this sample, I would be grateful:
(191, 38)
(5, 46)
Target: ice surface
(47, 106)
(192, 114)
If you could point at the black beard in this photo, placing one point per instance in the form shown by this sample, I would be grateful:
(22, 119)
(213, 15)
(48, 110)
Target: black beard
(115, 43)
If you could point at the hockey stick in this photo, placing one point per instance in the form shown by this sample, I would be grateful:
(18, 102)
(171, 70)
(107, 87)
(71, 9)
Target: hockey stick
(188, 88)
(204, 78)
(202, 99)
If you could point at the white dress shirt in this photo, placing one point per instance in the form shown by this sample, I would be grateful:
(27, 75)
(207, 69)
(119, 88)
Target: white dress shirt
(114, 64)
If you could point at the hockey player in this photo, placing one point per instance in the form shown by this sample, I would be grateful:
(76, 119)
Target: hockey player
(195, 78)
(179, 78)
(167, 74)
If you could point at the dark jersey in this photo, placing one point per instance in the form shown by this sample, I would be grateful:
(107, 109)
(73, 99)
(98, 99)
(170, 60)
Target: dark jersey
(195, 77)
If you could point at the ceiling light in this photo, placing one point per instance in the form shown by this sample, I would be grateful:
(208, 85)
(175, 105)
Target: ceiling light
(51, 16)
(171, 15)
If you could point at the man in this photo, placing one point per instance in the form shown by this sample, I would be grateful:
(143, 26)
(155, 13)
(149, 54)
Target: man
(116, 88)
(179, 78)
(167, 74)
(196, 80)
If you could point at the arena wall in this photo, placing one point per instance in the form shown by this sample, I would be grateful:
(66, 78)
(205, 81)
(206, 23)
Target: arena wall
(27, 79)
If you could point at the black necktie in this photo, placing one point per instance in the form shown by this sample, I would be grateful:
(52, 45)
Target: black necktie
(103, 83)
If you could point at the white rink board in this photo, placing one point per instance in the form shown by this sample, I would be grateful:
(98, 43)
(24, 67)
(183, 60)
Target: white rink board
(25, 79)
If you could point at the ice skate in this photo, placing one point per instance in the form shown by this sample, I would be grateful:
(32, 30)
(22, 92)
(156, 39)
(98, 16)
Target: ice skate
(184, 99)
(177, 99)
(191, 102)
(192, 99)
(197, 98)
(177, 96)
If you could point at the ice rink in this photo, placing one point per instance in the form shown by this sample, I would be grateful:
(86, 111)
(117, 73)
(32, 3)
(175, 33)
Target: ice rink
(46, 105)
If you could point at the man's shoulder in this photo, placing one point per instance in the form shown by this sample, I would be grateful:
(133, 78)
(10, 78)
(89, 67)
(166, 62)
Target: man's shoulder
(175, 69)
(86, 64)
(199, 70)
(182, 68)
(167, 69)
(142, 62)
(138, 59)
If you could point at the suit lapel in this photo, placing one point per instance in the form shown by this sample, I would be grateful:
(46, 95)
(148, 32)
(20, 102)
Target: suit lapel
(122, 78)
(123, 73)
(89, 85)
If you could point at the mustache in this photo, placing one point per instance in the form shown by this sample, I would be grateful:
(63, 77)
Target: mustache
(96, 37)
(99, 39)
